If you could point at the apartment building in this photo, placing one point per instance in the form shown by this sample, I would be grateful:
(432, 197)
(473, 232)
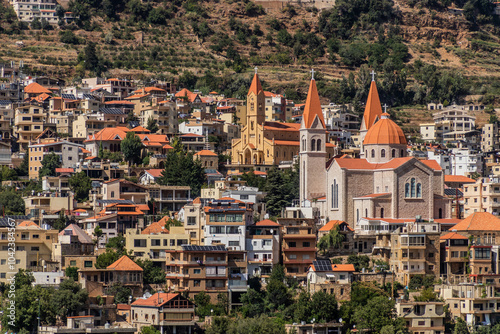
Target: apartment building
(28, 124)
(72, 241)
(168, 312)
(198, 268)
(434, 132)
(86, 125)
(482, 196)
(171, 198)
(33, 249)
(119, 87)
(263, 247)
(194, 221)
(477, 304)
(126, 190)
(153, 242)
(458, 161)
(6, 121)
(341, 123)
(165, 115)
(490, 138)
(422, 317)
(330, 278)
(69, 154)
(226, 222)
(28, 10)
(124, 271)
(41, 205)
(298, 246)
(415, 250)
(454, 258)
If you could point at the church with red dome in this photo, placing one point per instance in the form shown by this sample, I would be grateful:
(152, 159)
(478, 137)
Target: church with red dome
(383, 189)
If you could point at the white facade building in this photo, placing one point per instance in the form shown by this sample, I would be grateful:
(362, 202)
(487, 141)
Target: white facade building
(28, 10)
(458, 161)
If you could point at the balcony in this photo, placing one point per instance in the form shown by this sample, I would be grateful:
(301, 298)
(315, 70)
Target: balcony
(238, 284)
(300, 249)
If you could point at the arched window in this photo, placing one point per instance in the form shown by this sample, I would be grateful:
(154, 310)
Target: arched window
(318, 145)
(268, 153)
(373, 153)
(112, 194)
(381, 212)
(402, 153)
(366, 153)
(357, 215)
(413, 189)
(440, 213)
(382, 153)
(407, 190)
(393, 154)
(419, 190)
(493, 241)
(335, 194)
(304, 147)
(313, 144)
(366, 212)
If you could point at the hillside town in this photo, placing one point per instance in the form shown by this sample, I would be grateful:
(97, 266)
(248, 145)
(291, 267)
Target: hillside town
(163, 204)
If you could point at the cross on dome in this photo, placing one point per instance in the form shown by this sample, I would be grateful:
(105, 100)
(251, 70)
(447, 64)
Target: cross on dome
(255, 69)
(312, 73)
(385, 107)
(373, 75)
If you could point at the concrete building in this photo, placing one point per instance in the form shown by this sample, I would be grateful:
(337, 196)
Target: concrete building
(263, 247)
(490, 138)
(482, 196)
(28, 124)
(422, 317)
(69, 154)
(165, 115)
(28, 10)
(330, 278)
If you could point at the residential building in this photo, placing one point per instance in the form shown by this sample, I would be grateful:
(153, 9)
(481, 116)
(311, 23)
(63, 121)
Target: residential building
(198, 268)
(87, 324)
(330, 278)
(165, 115)
(490, 138)
(340, 122)
(28, 124)
(171, 198)
(345, 230)
(151, 176)
(99, 281)
(153, 242)
(194, 221)
(298, 245)
(482, 196)
(72, 241)
(226, 222)
(168, 312)
(69, 154)
(263, 247)
(422, 317)
(40, 205)
(454, 257)
(126, 190)
(33, 249)
(86, 125)
(208, 159)
(119, 87)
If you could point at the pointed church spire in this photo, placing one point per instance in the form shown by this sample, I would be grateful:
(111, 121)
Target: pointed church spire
(313, 106)
(373, 109)
(255, 87)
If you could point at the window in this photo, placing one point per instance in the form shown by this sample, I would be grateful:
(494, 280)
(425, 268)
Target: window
(313, 144)
(87, 264)
(155, 242)
(243, 196)
(191, 221)
(292, 257)
(335, 194)
(35, 249)
(413, 189)
(382, 153)
(393, 153)
(112, 194)
(196, 271)
(482, 253)
(318, 145)
(140, 243)
(306, 244)
(373, 153)
(72, 263)
(233, 243)
(305, 257)
(3, 261)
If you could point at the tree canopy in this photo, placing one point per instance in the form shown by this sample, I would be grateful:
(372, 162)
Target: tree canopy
(12, 202)
(49, 164)
(80, 184)
(131, 147)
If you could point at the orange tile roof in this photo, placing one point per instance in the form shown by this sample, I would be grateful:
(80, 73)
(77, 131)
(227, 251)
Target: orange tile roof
(167, 147)
(313, 107)
(156, 300)
(154, 172)
(478, 221)
(458, 178)
(374, 195)
(205, 153)
(36, 88)
(255, 86)
(124, 307)
(186, 93)
(140, 129)
(150, 89)
(331, 224)
(287, 143)
(119, 102)
(136, 96)
(64, 170)
(343, 267)
(28, 223)
(143, 207)
(363, 164)
(385, 131)
(42, 97)
(432, 164)
(124, 264)
(117, 133)
(79, 210)
(266, 222)
(85, 151)
(155, 228)
(453, 236)
(373, 109)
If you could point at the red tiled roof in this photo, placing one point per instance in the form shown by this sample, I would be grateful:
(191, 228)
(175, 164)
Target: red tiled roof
(140, 129)
(313, 107)
(150, 89)
(156, 300)
(453, 236)
(331, 224)
(85, 151)
(432, 164)
(287, 143)
(119, 102)
(36, 88)
(363, 164)
(374, 195)
(28, 223)
(64, 170)
(155, 228)
(266, 222)
(124, 264)
(205, 153)
(458, 178)
(154, 172)
(343, 267)
(478, 221)
(136, 96)
(124, 307)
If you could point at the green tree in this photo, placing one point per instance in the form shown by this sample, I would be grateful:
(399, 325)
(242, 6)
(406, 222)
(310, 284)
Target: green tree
(253, 303)
(131, 147)
(282, 187)
(69, 299)
(23, 169)
(90, 59)
(332, 240)
(182, 170)
(151, 274)
(359, 261)
(377, 313)
(262, 324)
(253, 180)
(61, 221)
(460, 327)
(426, 295)
(80, 184)
(152, 125)
(149, 330)
(277, 293)
(324, 307)
(49, 164)
(121, 293)
(117, 244)
(72, 272)
(106, 259)
(11, 202)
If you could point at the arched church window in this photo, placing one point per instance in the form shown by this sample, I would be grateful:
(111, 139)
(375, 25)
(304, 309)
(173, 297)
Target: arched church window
(382, 153)
(440, 214)
(402, 153)
(413, 189)
(268, 153)
(419, 190)
(304, 147)
(393, 154)
(251, 125)
(413, 186)
(407, 190)
(313, 144)
(335, 194)
(366, 213)
(381, 212)
(357, 215)
(318, 145)
(373, 153)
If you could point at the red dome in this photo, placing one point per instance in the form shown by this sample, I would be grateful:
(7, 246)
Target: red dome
(385, 131)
